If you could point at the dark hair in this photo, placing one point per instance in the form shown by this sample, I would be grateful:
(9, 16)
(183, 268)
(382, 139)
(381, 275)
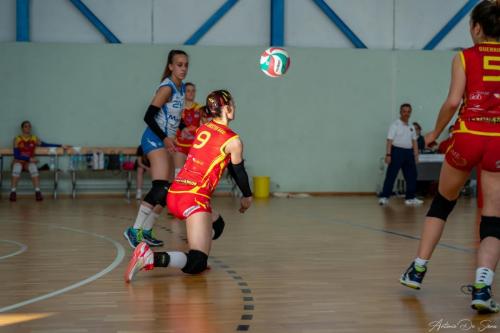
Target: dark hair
(190, 84)
(25, 122)
(487, 15)
(405, 105)
(216, 100)
(415, 124)
(170, 60)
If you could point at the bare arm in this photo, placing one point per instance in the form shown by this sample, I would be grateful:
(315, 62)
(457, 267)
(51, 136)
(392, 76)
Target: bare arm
(162, 96)
(452, 102)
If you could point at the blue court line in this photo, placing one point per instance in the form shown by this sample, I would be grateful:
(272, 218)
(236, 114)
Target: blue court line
(118, 259)
(22, 246)
(400, 234)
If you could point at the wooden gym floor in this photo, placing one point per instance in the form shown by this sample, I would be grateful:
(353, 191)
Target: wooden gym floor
(321, 264)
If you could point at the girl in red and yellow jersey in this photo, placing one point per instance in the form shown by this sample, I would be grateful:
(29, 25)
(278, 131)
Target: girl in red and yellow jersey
(24, 159)
(192, 116)
(475, 83)
(214, 147)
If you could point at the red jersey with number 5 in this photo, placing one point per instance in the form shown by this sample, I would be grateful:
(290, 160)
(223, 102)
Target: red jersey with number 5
(482, 89)
(206, 160)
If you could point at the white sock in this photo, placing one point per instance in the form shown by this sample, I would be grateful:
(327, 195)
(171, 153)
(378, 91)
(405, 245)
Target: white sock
(484, 275)
(142, 215)
(421, 262)
(13, 189)
(150, 221)
(177, 259)
(37, 189)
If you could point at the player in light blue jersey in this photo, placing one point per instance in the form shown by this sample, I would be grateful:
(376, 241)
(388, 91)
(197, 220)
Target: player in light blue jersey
(163, 118)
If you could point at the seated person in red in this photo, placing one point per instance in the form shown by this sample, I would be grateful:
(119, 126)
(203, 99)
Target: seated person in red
(24, 159)
(446, 144)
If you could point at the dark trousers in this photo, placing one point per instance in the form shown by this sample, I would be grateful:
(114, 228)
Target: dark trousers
(401, 159)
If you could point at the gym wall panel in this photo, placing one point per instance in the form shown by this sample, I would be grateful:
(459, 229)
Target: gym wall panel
(417, 22)
(7, 20)
(246, 23)
(60, 21)
(321, 127)
(371, 21)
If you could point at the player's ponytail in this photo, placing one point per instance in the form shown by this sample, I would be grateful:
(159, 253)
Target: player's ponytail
(170, 60)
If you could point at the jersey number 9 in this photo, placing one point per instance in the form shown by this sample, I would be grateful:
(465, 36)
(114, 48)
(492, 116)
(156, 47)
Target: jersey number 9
(201, 139)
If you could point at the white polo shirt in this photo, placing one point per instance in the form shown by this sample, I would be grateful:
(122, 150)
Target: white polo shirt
(401, 134)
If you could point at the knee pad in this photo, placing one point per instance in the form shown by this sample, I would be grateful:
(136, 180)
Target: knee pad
(441, 207)
(489, 227)
(17, 168)
(196, 262)
(218, 227)
(158, 193)
(33, 169)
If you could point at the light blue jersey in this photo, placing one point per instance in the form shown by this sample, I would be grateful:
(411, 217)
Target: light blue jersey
(168, 118)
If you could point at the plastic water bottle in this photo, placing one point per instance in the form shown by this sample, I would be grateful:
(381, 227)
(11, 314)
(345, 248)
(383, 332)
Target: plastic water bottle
(72, 162)
(121, 159)
(52, 163)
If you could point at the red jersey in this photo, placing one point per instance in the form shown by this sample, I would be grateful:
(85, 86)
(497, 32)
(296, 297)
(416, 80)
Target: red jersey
(482, 90)
(191, 118)
(206, 161)
(26, 145)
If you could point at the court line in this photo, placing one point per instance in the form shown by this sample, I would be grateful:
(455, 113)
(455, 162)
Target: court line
(23, 247)
(118, 259)
(400, 234)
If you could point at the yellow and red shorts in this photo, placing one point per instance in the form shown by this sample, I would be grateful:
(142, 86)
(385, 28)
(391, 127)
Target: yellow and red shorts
(475, 143)
(183, 205)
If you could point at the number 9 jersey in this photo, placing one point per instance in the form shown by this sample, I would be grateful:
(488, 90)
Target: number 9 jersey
(202, 171)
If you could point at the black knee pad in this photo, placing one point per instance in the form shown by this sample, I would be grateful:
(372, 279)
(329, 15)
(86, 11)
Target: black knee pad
(158, 193)
(441, 207)
(196, 262)
(489, 227)
(218, 226)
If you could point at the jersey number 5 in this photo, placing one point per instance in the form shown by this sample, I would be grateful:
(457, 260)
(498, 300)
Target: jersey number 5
(201, 139)
(488, 64)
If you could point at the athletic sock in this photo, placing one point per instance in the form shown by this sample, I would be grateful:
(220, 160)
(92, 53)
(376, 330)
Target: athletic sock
(170, 259)
(150, 221)
(142, 215)
(420, 264)
(484, 277)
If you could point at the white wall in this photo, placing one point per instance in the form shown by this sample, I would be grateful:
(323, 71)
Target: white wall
(380, 24)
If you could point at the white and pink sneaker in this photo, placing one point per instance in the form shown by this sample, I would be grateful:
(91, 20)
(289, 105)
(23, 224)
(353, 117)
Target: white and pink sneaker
(142, 259)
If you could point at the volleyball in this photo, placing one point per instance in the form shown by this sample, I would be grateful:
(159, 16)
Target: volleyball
(274, 61)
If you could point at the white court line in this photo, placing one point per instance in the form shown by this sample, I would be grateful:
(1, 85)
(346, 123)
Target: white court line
(21, 245)
(118, 259)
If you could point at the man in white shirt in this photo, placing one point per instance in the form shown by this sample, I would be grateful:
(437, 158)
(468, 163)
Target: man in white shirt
(401, 153)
